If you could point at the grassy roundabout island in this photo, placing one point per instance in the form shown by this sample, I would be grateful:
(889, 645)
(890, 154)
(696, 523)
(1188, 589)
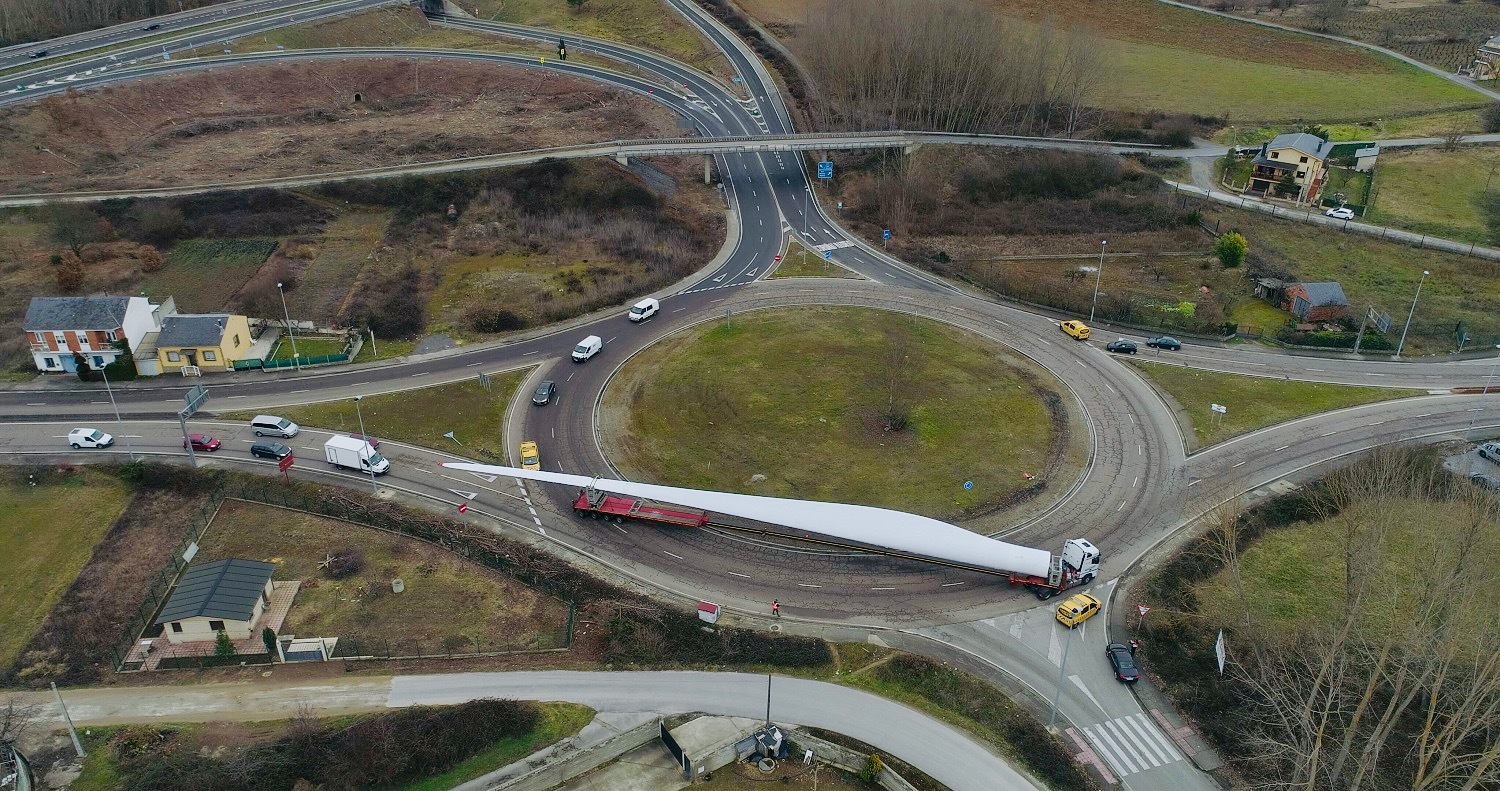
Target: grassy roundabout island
(843, 404)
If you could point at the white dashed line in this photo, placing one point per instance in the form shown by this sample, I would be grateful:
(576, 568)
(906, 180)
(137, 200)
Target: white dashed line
(1241, 464)
(949, 584)
(471, 365)
(737, 574)
(1283, 447)
(1425, 414)
(808, 585)
(679, 557)
(1329, 434)
(882, 589)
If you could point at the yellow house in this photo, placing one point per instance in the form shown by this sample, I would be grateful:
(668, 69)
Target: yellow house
(210, 341)
(1292, 166)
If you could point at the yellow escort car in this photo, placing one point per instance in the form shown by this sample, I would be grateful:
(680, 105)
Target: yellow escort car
(1076, 328)
(531, 459)
(1078, 608)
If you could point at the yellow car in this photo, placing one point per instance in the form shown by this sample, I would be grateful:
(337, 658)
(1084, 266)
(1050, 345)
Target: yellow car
(1077, 609)
(1076, 328)
(531, 459)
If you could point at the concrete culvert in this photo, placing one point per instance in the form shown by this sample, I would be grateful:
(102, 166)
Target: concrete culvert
(358, 97)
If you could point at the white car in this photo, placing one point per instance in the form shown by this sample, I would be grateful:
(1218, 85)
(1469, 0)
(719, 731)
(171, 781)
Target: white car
(89, 438)
(1341, 213)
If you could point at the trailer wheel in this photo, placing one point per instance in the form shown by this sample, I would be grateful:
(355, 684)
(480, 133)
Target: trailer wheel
(619, 519)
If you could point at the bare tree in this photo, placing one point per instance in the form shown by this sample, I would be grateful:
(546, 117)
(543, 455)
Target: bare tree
(16, 718)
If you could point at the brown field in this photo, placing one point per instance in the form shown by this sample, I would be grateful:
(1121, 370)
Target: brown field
(269, 120)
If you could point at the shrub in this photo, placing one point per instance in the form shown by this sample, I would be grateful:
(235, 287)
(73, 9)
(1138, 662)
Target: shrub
(488, 318)
(1231, 249)
(872, 769)
(1489, 118)
(69, 273)
(345, 563)
(223, 646)
(151, 258)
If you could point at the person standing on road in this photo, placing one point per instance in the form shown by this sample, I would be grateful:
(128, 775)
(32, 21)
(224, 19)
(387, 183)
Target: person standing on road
(776, 607)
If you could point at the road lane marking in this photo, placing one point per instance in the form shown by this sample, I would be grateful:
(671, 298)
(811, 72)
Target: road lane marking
(1283, 447)
(873, 589)
(1136, 481)
(1425, 414)
(471, 365)
(679, 557)
(737, 574)
(1121, 508)
(949, 584)
(1241, 464)
(416, 375)
(294, 392)
(808, 585)
(1329, 434)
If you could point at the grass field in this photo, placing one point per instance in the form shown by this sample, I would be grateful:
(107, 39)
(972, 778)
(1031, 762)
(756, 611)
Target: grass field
(558, 721)
(202, 274)
(422, 417)
(349, 243)
(1417, 125)
(1254, 402)
(1440, 192)
(449, 603)
(47, 537)
(723, 404)
(308, 347)
(644, 23)
(1257, 313)
(798, 261)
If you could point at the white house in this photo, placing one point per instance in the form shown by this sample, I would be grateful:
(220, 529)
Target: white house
(223, 596)
(57, 327)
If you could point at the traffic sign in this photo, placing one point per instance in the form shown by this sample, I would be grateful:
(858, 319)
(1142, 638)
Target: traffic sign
(968, 485)
(1220, 408)
(286, 462)
(463, 508)
(885, 234)
(194, 399)
(777, 259)
(827, 255)
(825, 169)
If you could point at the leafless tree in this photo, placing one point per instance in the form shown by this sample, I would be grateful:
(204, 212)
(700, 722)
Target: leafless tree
(1326, 15)
(16, 718)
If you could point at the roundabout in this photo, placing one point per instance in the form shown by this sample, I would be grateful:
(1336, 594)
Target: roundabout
(868, 407)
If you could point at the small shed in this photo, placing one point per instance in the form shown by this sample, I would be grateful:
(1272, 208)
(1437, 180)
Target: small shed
(1313, 302)
(1364, 158)
(222, 596)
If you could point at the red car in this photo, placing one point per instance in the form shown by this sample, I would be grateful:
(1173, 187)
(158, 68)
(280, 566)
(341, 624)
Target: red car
(202, 442)
(374, 443)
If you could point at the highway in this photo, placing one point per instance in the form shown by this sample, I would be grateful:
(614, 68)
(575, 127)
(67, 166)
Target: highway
(1140, 485)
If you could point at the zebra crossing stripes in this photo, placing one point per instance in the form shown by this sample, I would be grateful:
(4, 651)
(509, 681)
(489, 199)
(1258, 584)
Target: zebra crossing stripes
(1132, 744)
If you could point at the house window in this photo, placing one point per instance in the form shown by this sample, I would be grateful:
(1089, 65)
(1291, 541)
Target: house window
(98, 361)
(1301, 173)
(216, 626)
(173, 357)
(50, 362)
(62, 340)
(1276, 155)
(236, 340)
(177, 627)
(1302, 159)
(111, 336)
(40, 338)
(209, 356)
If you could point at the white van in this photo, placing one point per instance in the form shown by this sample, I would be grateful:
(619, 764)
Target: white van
(644, 309)
(272, 426)
(588, 347)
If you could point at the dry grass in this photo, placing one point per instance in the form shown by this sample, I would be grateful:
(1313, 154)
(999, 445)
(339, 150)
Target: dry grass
(327, 268)
(447, 600)
(283, 119)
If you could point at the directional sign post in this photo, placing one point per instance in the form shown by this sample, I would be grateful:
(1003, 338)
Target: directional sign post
(193, 401)
(885, 234)
(284, 465)
(968, 485)
(827, 255)
(825, 169)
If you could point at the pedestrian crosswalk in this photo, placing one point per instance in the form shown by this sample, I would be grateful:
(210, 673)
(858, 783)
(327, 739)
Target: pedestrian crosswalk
(1132, 744)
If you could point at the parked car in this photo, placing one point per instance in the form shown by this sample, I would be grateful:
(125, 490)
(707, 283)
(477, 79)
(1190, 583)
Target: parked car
(531, 458)
(1490, 450)
(1121, 346)
(274, 451)
(1341, 213)
(374, 443)
(644, 309)
(1078, 608)
(201, 442)
(1165, 342)
(1075, 328)
(1483, 481)
(544, 394)
(1123, 663)
(89, 438)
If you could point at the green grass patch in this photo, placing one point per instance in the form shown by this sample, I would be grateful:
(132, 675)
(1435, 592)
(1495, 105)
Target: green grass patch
(1414, 125)
(202, 274)
(450, 605)
(798, 261)
(1254, 402)
(46, 538)
(724, 403)
(1257, 314)
(423, 416)
(1440, 192)
(558, 721)
(1352, 183)
(308, 347)
(388, 350)
(645, 23)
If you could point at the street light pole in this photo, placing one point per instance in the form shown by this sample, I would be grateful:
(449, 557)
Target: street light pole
(296, 358)
(1098, 275)
(1490, 380)
(1062, 669)
(1412, 312)
(128, 448)
(371, 467)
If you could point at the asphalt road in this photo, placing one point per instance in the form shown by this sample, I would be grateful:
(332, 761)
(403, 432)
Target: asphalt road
(948, 755)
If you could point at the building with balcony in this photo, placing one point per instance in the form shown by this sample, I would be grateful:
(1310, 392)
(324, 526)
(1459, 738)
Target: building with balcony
(57, 328)
(1292, 166)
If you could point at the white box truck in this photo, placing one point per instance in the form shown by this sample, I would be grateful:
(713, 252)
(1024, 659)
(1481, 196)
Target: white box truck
(355, 454)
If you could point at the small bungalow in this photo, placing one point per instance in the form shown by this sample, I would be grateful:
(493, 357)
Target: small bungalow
(210, 341)
(1313, 302)
(223, 596)
(1364, 158)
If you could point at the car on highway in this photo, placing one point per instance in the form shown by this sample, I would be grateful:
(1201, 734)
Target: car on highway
(152, 26)
(545, 392)
(1122, 662)
(1165, 342)
(89, 438)
(1121, 346)
(274, 451)
(644, 309)
(1075, 328)
(1078, 608)
(1341, 213)
(41, 53)
(531, 458)
(201, 442)
(588, 347)
(374, 443)
(1490, 450)
(272, 426)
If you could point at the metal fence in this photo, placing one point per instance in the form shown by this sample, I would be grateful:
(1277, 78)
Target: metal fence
(156, 593)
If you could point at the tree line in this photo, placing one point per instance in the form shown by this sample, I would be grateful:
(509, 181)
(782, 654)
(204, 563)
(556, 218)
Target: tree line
(946, 65)
(34, 20)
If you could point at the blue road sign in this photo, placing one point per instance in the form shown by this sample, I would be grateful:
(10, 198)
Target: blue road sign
(886, 233)
(827, 255)
(968, 485)
(825, 169)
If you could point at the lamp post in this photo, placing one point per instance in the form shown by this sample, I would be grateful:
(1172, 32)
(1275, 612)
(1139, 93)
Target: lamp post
(1062, 669)
(369, 466)
(116, 407)
(1490, 380)
(1098, 275)
(1411, 312)
(296, 358)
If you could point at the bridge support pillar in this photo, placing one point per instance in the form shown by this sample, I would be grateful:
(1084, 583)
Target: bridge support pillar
(623, 159)
(708, 169)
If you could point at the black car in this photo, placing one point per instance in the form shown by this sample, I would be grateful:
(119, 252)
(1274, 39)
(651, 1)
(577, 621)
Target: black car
(545, 392)
(270, 450)
(1120, 346)
(1165, 342)
(41, 53)
(1123, 663)
(152, 26)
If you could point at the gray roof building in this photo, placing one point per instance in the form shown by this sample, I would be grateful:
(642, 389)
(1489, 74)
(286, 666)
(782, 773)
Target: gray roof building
(75, 313)
(1311, 145)
(1329, 293)
(225, 589)
(205, 329)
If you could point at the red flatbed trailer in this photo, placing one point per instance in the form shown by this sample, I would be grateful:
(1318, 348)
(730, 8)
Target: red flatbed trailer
(594, 504)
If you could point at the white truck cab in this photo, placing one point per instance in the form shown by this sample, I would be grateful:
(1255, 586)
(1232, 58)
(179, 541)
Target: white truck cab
(588, 347)
(644, 309)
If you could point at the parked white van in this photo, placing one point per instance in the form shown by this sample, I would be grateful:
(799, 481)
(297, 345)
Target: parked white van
(588, 347)
(272, 426)
(644, 309)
